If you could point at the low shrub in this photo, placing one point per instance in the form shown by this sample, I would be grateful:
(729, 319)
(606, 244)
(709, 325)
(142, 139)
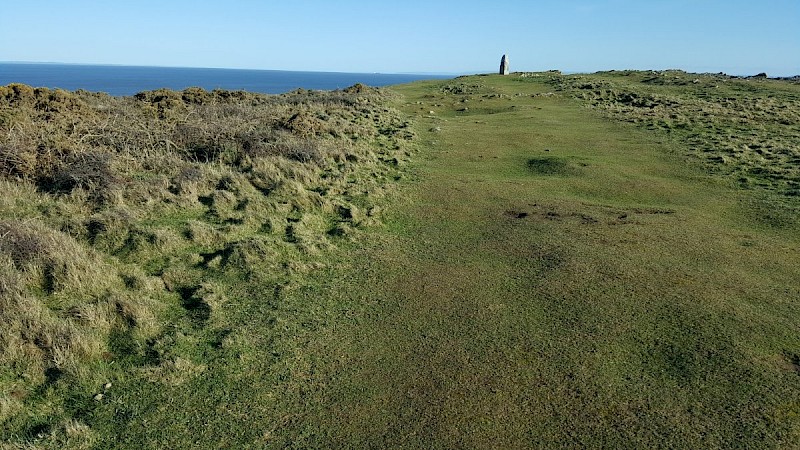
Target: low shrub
(117, 210)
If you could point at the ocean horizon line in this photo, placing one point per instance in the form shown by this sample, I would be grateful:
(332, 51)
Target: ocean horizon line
(125, 80)
(156, 66)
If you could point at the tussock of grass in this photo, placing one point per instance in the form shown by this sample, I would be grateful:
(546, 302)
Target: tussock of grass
(126, 222)
(748, 130)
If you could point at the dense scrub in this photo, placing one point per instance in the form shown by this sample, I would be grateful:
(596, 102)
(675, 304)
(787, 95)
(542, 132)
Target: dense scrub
(126, 222)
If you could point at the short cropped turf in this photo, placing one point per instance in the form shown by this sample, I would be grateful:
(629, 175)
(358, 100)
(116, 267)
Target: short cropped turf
(523, 261)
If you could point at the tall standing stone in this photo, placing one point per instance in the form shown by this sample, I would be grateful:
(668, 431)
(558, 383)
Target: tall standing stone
(504, 65)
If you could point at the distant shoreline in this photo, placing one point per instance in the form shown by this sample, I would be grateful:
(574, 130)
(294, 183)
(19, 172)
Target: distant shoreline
(119, 80)
(125, 80)
(55, 63)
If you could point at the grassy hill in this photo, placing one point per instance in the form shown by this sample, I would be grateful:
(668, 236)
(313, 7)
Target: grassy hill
(137, 234)
(537, 260)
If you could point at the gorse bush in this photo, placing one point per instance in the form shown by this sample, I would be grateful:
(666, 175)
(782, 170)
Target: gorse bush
(125, 221)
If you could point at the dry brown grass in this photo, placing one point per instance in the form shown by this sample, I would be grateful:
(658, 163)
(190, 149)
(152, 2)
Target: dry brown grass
(116, 211)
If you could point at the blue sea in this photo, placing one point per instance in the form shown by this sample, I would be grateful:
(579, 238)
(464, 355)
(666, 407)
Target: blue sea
(128, 80)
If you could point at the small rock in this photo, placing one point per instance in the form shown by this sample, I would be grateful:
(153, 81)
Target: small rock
(98, 397)
(107, 386)
(435, 129)
(431, 112)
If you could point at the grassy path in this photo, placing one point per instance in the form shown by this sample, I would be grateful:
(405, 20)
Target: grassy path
(555, 279)
(549, 279)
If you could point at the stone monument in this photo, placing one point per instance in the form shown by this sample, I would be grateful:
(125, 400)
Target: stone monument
(504, 65)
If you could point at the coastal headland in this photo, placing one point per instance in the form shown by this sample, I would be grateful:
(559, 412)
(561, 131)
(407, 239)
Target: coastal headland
(522, 261)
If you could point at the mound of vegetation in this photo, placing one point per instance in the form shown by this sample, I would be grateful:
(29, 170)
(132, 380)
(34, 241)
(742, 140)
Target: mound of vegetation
(747, 129)
(127, 223)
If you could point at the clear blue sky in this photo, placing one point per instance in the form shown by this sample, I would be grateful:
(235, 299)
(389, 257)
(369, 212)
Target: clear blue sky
(465, 36)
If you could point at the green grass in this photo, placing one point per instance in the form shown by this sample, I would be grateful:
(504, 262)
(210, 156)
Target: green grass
(631, 303)
(545, 275)
(745, 129)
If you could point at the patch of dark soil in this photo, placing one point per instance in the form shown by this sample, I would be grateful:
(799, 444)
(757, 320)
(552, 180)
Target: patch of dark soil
(653, 211)
(199, 311)
(206, 200)
(792, 361)
(52, 374)
(218, 337)
(514, 214)
(224, 254)
(552, 165)
(38, 430)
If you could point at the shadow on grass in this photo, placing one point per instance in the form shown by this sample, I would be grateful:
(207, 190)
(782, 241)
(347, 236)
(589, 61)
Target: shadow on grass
(552, 165)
